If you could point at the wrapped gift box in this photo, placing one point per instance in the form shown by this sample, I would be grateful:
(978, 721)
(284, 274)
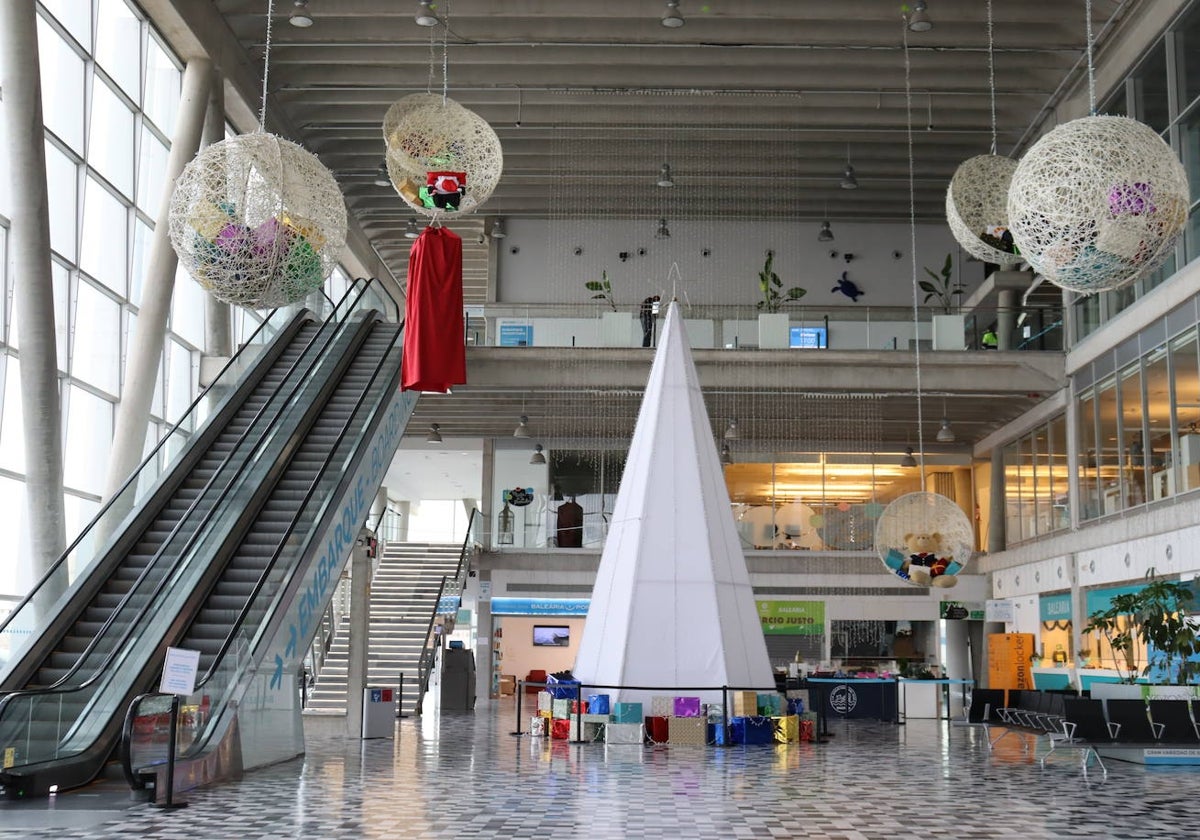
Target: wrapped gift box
(561, 709)
(718, 733)
(562, 689)
(546, 714)
(658, 729)
(662, 706)
(627, 713)
(795, 705)
(545, 701)
(787, 728)
(687, 707)
(770, 704)
(808, 730)
(560, 730)
(598, 704)
(537, 726)
(745, 703)
(593, 730)
(578, 707)
(624, 733)
(692, 731)
(751, 730)
(715, 712)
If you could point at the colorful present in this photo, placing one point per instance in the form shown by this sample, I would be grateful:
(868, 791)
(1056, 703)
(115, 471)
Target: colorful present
(658, 728)
(718, 733)
(562, 689)
(561, 709)
(545, 701)
(578, 707)
(627, 713)
(547, 714)
(687, 707)
(662, 706)
(715, 712)
(624, 733)
(745, 703)
(795, 705)
(691, 731)
(808, 730)
(751, 730)
(787, 728)
(593, 730)
(598, 704)
(770, 704)
(537, 726)
(560, 730)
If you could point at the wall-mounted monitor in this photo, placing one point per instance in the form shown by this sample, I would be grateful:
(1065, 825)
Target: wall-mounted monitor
(551, 635)
(815, 337)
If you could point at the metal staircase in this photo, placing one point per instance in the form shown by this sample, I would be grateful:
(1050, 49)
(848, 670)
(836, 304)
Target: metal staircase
(403, 593)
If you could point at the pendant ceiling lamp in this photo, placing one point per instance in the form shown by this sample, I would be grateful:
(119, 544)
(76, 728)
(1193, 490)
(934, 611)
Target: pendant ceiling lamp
(255, 219)
(826, 233)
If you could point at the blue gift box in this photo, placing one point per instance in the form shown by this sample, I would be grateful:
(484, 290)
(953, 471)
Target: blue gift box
(718, 734)
(627, 712)
(598, 704)
(795, 706)
(751, 730)
(562, 689)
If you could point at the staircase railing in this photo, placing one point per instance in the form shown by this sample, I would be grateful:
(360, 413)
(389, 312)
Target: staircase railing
(448, 599)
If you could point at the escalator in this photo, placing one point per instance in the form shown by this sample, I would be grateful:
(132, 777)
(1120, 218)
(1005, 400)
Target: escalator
(207, 549)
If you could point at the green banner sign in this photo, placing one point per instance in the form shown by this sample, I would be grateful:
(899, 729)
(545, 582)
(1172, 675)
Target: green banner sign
(961, 610)
(792, 618)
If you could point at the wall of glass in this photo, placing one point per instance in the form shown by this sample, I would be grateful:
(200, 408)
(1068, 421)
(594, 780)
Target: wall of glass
(1164, 93)
(1035, 482)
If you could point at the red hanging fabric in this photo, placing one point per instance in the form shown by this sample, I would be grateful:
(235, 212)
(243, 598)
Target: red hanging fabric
(435, 355)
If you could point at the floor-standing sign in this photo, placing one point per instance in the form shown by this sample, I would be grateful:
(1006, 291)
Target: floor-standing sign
(178, 679)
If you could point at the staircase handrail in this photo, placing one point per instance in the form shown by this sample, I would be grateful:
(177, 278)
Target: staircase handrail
(461, 573)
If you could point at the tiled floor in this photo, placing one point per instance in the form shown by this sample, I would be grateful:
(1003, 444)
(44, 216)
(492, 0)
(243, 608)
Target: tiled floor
(465, 776)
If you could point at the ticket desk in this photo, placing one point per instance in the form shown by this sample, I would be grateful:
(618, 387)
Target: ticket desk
(852, 698)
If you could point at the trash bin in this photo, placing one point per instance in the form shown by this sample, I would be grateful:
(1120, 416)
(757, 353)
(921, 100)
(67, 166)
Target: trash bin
(378, 713)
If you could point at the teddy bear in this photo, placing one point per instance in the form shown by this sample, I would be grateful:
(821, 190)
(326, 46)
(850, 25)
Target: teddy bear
(927, 563)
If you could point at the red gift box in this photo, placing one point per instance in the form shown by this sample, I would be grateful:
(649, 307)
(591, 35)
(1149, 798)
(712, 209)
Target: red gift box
(576, 707)
(560, 730)
(658, 728)
(808, 730)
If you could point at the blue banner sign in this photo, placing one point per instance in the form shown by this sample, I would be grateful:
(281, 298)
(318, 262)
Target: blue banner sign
(516, 335)
(815, 337)
(1055, 607)
(540, 606)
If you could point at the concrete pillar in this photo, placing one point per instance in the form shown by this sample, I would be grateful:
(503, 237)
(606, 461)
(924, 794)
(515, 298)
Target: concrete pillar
(485, 533)
(997, 538)
(1006, 318)
(29, 243)
(145, 352)
(218, 326)
(360, 635)
(403, 513)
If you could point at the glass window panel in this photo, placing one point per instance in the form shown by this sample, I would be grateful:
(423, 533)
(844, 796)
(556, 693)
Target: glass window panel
(75, 16)
(1117, 104)
(118, 45)
(97, 355)
(1012, 493)
(152, 171)
(1186, 372)
(180, 389)
(89, 424)
(61, 187)
(162, 87)
(5, 197)
(12, 430)
(1133, 439)
(16, 572)
(6, 301)
(104, 237)
(1187, 48)
(1150, 89)
(1158, 420)
(1108, 447)
(62, 72)
(143, 236)
(111, 148)
(1189, 143)
(187, 309)
(1060, 516)
(1192, 234)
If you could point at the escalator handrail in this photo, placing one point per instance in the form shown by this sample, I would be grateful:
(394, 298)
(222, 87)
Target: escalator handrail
(383, 288)
(126, 749)
(58, 687)
(308, 495)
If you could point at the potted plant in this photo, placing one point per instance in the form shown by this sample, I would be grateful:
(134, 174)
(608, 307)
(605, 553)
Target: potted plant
(616, 327)
(773, 324)
(948, 329)
(604, 290)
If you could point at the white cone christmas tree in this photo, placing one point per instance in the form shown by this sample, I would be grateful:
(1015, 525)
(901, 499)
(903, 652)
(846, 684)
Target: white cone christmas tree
(672, 605)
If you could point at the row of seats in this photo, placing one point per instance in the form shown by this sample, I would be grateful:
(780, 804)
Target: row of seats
(1087, 719)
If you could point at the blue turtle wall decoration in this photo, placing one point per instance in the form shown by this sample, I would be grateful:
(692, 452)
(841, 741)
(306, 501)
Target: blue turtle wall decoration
(848, 287)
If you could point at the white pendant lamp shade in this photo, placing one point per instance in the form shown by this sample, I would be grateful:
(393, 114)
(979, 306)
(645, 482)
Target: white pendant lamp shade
(977, 208)
(257, 221)
(1097, 203)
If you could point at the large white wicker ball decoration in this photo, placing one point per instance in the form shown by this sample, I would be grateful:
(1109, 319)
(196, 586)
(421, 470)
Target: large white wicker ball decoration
(1097, 203)
(258, 221)
(924, 539)
(426, 135)
(977, 208)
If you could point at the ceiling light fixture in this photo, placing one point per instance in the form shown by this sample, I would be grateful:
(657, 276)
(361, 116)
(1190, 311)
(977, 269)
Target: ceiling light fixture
(498, 229)
(826, 234)
(300, 17)
(425, 15)
(664, 176)
(732, 432)
(919, 20)
(945, 433)
(663, 232)
(671, 17)
(908, 460)
(522, 430)
(412, 231)
(538, 457)
(382, 179)
(435, 435)
(726, 455)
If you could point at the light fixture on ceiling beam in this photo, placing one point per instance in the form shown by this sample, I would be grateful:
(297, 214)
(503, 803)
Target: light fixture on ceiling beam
(498, 229)
(664, 176)
(919, 20)
(382, 179)
(538, 457)
(726, 455)
(411, 231)
(522, 430)
(945, 433)
(732, 432)
(435, 434)
(425, 15)
(300, 17)
(663, 231)
(908, 460)
(826, 234)
(671, 17)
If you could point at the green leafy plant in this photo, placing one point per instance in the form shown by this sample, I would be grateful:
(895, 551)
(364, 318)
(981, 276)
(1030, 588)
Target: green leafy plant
(943, 287)
(604, 289)
(770, 285)
(1159, 615)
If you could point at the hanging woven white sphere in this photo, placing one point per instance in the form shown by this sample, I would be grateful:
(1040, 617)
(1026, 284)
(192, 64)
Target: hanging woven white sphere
(257, 221)
(924, 539)
(977, 208)
(441, 157)
(1097, 203)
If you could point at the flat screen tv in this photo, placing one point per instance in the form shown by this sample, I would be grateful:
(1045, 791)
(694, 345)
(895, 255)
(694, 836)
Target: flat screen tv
(551, 635)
